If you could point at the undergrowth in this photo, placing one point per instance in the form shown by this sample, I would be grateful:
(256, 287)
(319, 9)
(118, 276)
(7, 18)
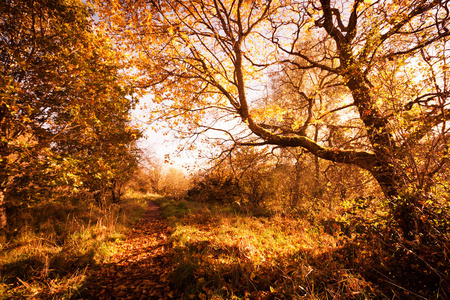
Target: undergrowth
(222, 252)
(51, 247)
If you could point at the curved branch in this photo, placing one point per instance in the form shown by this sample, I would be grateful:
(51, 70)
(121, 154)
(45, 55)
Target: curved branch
(428, 124)
(362, 159)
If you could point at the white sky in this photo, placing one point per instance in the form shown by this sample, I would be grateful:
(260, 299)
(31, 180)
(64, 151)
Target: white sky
(161, 142)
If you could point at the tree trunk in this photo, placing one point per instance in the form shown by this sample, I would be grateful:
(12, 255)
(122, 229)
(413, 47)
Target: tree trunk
(295, 198)
(318, 191)
(113, 192)
(3, 220)
(394, 186)
(3, 176)
(402, 204)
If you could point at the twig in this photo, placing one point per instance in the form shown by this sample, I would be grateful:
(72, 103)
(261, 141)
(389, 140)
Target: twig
(396, 285)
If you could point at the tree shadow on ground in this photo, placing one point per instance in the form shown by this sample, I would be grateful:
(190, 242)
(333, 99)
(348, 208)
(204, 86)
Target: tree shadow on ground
(353, 270)
(366, 265)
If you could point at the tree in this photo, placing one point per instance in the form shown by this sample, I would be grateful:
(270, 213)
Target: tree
(388, 58)
(174, 182)
(64, 110)
(149, 176)
(247, 176)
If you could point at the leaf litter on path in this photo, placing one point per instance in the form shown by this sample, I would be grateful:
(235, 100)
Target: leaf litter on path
(141, 267)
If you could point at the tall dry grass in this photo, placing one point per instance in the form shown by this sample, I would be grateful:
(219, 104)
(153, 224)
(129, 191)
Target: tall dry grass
(225, 252)
(50, 248)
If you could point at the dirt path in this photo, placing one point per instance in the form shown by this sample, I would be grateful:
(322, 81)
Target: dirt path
(140, 269)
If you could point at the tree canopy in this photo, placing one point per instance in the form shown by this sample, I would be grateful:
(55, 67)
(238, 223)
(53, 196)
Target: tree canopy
(65, 104)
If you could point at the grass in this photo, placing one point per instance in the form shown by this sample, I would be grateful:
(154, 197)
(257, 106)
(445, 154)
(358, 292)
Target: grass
(226, 252)
(223, 253)
(55, 245)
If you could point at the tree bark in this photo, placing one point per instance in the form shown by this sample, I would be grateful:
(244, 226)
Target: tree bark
(401, 203)
(393, 185)
(3, 219)
(4, 153)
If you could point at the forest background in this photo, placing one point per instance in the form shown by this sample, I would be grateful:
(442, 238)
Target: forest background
(324, 116)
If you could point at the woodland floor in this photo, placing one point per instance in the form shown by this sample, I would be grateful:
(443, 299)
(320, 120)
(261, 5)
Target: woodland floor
(139, 270)
(211, 252)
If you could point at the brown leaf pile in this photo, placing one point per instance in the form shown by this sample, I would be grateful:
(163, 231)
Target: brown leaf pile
(140, 270)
